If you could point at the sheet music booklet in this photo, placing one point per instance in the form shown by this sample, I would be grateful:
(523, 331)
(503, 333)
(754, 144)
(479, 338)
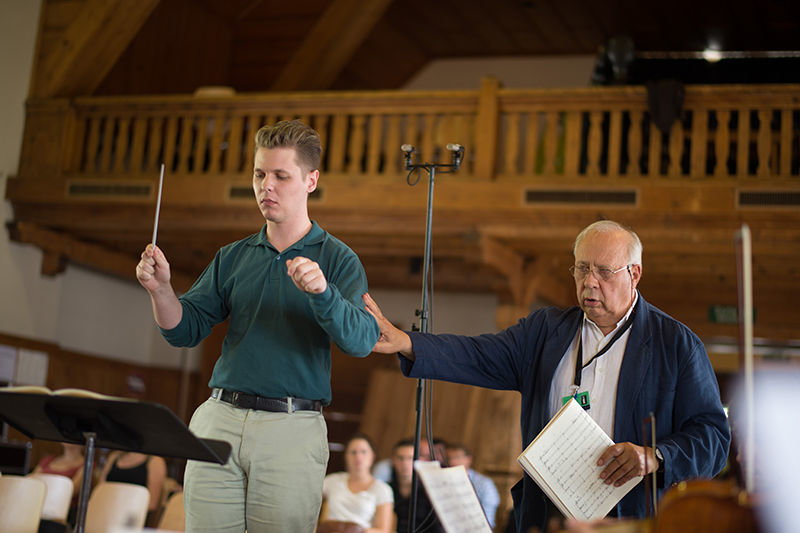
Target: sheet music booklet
(453, 497)
(562, 460)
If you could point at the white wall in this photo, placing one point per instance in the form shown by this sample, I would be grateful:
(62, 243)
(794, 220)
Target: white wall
(28, 303)
(464, 314)
(513, 72)
(79, 309)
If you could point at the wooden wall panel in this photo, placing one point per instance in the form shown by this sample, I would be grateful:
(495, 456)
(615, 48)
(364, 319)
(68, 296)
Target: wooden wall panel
(487, 421)
(181, 47)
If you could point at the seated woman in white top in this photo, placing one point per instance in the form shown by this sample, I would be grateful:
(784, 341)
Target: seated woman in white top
(355, 498)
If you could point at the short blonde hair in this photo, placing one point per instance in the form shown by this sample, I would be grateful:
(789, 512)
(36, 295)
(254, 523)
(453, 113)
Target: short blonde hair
(293, 134)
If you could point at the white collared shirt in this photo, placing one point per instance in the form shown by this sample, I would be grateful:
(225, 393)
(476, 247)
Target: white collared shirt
(600, 377)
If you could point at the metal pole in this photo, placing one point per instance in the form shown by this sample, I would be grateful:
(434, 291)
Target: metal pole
(86, 484)
(424, 328)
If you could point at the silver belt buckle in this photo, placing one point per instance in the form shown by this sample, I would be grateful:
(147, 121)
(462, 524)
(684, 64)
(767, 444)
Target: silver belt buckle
(235, 398)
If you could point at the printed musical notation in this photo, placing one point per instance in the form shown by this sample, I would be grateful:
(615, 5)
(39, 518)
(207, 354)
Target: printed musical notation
(453, 498)
(562, 460)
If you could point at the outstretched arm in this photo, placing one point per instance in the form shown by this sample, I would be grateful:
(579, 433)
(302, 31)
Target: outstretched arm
(392, 339)
(154, 275)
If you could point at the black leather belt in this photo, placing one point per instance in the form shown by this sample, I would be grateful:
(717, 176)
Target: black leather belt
(260, 403)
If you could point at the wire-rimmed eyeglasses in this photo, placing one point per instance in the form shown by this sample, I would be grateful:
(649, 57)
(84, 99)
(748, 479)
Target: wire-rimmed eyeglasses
(604, 273)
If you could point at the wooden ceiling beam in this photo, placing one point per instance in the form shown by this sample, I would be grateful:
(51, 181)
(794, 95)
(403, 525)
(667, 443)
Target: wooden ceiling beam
(59, 247)
(77, 63)
(330, 44)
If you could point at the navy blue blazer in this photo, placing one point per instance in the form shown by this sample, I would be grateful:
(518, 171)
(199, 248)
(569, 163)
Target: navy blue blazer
(665, 370)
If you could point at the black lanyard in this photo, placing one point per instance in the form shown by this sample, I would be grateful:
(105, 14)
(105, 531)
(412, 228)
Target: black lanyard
(579, 366)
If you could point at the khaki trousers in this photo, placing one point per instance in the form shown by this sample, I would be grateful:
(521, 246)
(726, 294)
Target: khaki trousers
(273, 479)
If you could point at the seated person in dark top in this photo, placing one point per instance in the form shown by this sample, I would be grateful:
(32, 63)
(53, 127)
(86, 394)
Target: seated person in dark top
(136, 468)
(402, 471)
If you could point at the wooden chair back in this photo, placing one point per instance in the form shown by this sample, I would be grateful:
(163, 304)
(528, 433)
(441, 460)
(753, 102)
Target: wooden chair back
(58, 497)
(115, 505)
(21, 503)
(173, 517)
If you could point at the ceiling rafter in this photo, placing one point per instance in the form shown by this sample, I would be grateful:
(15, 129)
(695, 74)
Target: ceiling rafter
(330, 44)
(58, 248)
(89, 47)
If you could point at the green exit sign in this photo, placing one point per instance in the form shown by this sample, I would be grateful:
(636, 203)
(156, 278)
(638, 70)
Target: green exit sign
(725, 314)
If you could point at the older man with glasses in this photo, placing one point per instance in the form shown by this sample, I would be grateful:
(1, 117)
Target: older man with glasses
(618, 355)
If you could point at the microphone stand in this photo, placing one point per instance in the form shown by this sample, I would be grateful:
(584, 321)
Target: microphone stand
(431, 168)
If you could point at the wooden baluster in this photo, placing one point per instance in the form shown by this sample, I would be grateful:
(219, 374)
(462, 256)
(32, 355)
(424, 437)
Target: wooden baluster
(75, 130)
(785, 148)
(743, 143)
(675, 148)
(121, 145)
(171, 143)
(443, 133)
(90, 158)
(722, 143)
(464, 133)
(215, 146)
(393, 142)
(410, 133)
(635, 144)
(572, 147)
(428, 127)
(137, 164)
(356, 146)
(154, 136)
(321, 125)
(202, 123)
(254, 124)
(338, 140)
(233, 154)
(108, 140)
(595, 143)
(375, 149)
(764, 141)
(531, 142)
(614, 143)
(550, 143)
(185, 146)
(699, 146)
(654, 150)
(512, 145)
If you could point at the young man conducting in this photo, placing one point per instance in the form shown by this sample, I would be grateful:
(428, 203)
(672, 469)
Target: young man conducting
(288, 291)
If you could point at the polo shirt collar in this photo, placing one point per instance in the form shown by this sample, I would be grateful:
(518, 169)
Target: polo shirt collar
(314, 236)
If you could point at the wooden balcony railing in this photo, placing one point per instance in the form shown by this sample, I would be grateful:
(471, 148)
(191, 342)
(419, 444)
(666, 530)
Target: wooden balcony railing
(725, 132)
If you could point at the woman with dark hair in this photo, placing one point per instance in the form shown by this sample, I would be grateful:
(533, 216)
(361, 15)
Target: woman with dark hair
(354, 500)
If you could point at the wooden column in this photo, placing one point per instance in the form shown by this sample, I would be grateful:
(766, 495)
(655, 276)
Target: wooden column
(486, 127)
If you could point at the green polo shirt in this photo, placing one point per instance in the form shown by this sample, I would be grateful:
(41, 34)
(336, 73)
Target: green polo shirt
(278, 340)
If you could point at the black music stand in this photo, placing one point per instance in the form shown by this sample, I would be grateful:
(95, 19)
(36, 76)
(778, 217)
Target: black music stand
(114, 423)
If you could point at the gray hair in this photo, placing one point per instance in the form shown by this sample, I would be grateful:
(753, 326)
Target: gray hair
(609, 226)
